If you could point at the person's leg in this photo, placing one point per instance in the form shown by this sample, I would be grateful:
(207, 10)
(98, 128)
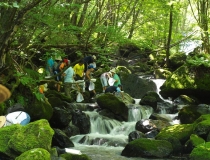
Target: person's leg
(102, 83)
(25, 121)
(67, 88)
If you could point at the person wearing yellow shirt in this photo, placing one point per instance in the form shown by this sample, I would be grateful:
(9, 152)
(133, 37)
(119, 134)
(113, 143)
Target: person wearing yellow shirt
(79, 70)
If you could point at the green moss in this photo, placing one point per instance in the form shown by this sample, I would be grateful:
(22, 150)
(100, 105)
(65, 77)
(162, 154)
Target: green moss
(150, 147)
(188, 114)
(180, 131)
(202, 125)
(196, 140)
(40, 110)
(75, 157)
(112, 103)
(6, 133)
(35, 154)
(36, 134)
(202, 151)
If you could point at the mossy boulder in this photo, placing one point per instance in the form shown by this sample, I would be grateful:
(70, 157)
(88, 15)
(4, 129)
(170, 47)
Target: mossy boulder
(177, 59)
(161, 73)
(36, 134)
(75, 157)
(180, 131)
(202, 126)
(188, 80)
(188, 114)
(113, 104)
(35, 154)
(6, 134)
(135, 86)
(39, 110)
(194, 141)
(185, 99)
(52, 93)
(151, 98)
(147, 148)
(201, 152)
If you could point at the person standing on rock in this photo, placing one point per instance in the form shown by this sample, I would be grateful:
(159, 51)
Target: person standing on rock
(68, 79)
(116, 77)
(104, 79)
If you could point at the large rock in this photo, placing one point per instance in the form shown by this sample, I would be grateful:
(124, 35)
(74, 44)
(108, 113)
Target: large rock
(188, 81)
(181, 132)
(35, 154)
(36, 134)
(201, 152)
(147, 148)
(110, 102)
(6, 134)
(135, 86)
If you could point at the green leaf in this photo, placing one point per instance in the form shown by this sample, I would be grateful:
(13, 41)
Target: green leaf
(15, 5)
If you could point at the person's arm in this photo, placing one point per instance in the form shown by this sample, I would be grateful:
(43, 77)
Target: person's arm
(88, 74)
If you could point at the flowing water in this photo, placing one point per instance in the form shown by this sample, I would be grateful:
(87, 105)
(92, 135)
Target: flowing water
(108, 137)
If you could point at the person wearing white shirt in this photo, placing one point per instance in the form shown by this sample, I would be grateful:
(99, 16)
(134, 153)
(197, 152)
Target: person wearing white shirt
(68, 80)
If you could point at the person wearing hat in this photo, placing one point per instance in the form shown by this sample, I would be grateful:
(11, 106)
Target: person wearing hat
(88, 60)
(18, 117)
(104, 79)
(116, 77)
(114, 89)
(88, 73)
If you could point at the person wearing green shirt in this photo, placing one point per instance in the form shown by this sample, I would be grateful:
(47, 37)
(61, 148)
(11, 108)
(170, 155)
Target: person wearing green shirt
(116, 77)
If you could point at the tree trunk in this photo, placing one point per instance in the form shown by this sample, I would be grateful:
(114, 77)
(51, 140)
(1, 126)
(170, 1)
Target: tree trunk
(169, 36)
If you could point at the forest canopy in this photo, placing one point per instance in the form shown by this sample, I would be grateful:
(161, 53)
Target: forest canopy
(32, 30)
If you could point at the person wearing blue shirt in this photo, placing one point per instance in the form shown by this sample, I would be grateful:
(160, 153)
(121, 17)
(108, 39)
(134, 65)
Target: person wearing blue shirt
(68, 79)
(50, 64)
(88, 60)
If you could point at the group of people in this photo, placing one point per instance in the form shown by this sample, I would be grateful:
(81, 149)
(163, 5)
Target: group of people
(81, 71)
(114, 86)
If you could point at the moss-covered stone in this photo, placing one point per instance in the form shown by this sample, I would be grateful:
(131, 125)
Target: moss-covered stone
(35, 154)
(151, 98)
(39, 110)
(36, 134)
(180, 131)
(193, 142)
(201, 152)
(75, 157)
(161, 73)
(147, 148)
(6, 133)
(202, 125)
(188, 80)
(112, 103)
(188, 114)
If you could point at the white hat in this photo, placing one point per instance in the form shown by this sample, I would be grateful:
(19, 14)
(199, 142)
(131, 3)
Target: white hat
(2, 121)
(113, 70)
(94, 57)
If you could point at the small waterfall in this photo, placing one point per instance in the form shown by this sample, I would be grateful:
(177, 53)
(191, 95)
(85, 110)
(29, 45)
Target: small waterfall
(108, 137)
(137, 112)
